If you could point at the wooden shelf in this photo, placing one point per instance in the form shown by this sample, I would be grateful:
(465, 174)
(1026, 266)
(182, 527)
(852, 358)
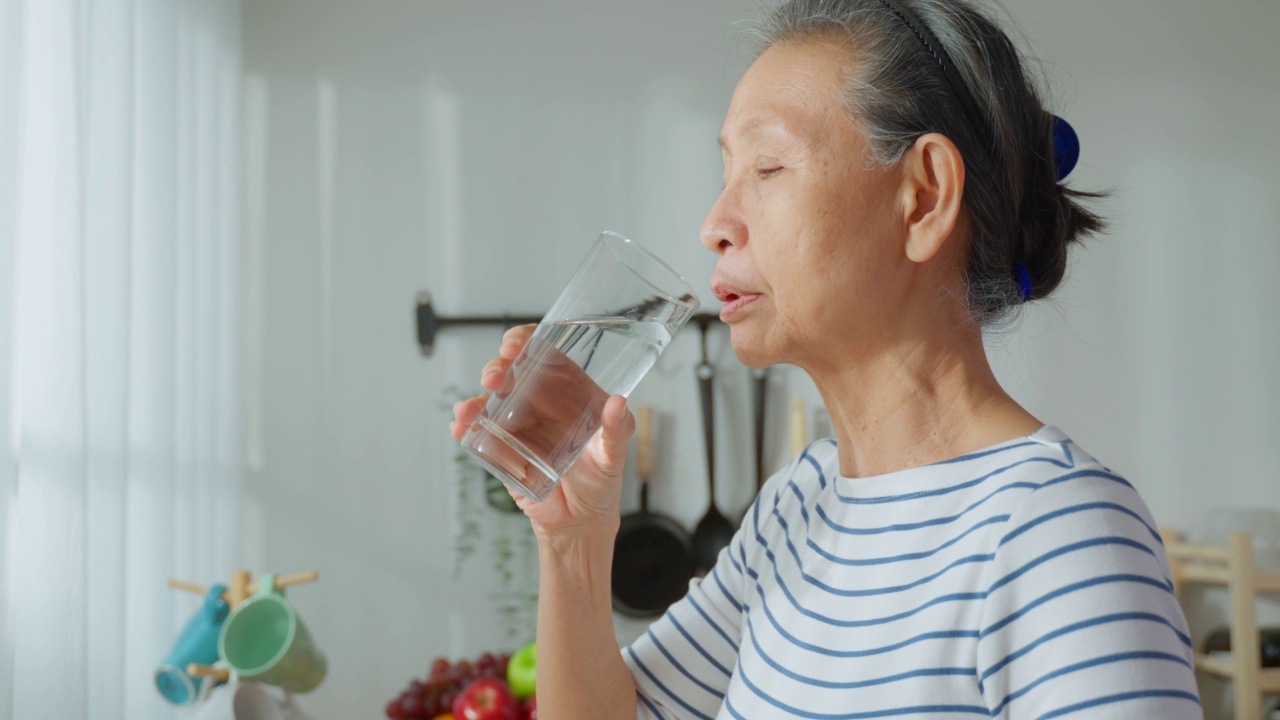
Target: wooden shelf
(1224, 667)
(1233, 567)
(1196, 573)
(1267, 582)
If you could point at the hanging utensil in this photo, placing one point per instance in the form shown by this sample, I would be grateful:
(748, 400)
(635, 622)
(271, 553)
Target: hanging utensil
(761, 376)
(653, 555)
(714, 531)
(799, 427)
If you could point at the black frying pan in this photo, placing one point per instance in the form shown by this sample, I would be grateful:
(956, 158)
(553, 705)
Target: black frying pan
(653, 555)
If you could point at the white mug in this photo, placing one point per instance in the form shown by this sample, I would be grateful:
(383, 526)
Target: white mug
(241, 700)
(292, 710)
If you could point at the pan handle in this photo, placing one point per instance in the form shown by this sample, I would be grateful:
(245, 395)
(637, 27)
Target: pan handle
(761, 376)
(706, 378)
(644, 451)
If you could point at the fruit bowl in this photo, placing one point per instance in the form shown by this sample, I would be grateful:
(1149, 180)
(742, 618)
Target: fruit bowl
(490, 687)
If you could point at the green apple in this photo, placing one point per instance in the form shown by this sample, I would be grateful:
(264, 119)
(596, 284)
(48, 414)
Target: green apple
(521, 672)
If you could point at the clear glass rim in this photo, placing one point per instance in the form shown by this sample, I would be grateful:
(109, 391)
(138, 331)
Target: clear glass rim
(613, 241)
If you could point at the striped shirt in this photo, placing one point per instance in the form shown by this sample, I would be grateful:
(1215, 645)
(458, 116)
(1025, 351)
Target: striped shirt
(1025, 580)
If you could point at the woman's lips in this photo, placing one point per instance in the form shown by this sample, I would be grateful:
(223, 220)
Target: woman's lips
(736, 304)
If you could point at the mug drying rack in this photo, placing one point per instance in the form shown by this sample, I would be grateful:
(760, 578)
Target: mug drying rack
(241, 588)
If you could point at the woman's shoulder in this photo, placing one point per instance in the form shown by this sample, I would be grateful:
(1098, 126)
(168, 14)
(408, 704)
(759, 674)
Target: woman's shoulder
(1046, 466)
(1055, 487)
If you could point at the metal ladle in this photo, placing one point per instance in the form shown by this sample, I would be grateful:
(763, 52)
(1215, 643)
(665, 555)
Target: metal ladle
(714, 531)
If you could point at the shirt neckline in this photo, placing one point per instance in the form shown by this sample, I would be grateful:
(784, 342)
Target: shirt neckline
(921, 478)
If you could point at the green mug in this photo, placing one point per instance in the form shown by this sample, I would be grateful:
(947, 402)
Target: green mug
(264, 640)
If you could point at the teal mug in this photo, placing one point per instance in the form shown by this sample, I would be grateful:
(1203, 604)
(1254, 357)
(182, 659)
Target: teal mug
(197, 643)
(265, 641)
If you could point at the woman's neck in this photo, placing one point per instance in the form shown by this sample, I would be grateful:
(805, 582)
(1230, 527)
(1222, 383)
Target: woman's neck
(919, 402)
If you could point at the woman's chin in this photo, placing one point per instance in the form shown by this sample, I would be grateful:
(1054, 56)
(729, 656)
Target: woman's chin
(750, 346)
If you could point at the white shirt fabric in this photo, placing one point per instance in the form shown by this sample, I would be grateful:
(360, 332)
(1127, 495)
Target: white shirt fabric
(1023, 581)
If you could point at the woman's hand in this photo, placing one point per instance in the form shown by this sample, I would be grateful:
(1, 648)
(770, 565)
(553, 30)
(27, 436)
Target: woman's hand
(586, 500)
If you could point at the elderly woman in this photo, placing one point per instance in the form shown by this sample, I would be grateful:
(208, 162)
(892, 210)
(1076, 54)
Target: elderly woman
(891, 188)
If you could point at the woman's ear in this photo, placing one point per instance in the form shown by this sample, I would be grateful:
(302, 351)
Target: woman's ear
(932, 188)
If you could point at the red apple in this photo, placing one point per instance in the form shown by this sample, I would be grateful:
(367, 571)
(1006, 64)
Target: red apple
(530, 709)
(486, 699)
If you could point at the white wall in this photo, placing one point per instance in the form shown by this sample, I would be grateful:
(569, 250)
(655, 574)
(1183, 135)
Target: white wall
(475, 150)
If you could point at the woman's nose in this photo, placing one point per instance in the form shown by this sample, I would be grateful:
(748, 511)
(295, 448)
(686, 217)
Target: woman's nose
(724, 227)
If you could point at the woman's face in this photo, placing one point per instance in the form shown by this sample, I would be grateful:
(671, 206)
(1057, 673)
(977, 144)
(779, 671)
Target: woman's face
(811, 264)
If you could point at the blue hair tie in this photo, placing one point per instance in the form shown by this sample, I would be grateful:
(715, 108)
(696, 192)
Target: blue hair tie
(1024, 281)
(1066, 147)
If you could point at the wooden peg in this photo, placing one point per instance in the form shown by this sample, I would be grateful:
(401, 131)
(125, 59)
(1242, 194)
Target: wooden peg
(219, 674)
(239, 590)
(284, 581)
(242, 586)
(187, 586)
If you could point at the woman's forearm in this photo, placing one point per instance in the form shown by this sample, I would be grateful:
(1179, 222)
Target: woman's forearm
(581, 675)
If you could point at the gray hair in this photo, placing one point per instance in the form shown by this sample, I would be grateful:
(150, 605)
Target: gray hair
(1019, 211)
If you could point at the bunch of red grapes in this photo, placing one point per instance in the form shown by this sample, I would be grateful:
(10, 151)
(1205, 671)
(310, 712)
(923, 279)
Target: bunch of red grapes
(424, 700)
(435, 696)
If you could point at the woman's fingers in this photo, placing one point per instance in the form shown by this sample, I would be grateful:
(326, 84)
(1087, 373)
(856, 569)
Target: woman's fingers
(465, 412)
(494, 374)
(617, 425)
(514, 340)
(522, 500)
(468, 410)
(457, 430)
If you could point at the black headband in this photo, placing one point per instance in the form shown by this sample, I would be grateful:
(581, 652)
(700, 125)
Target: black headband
(939, 53)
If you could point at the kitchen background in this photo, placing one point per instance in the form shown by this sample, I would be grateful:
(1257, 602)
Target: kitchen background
(474, 151)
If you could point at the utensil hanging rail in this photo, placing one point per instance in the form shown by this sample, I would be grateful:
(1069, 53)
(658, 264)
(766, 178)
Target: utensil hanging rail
(428, 324)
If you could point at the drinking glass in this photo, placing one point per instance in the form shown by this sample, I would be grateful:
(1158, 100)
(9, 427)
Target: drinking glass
(610, 324)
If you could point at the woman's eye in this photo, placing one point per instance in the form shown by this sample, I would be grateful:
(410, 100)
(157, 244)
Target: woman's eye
(767, 172)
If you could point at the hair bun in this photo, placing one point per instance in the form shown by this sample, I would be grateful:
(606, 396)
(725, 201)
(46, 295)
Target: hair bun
(1066, 147)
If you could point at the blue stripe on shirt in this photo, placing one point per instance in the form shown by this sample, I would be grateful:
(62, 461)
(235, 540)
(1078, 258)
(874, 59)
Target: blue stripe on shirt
(1067, 550)
(807, 680)
(795, 555)
(1119, 697)
(693, 600)
(945, 520)
(950, 597)
(698, 646)
(863, 562)
(715, 574)
(1084, 665)
(649, 704)
(811, 647)
(1082, 625)
(1068, 589)
(1075, 509)
(952, 488)
(889, 712)
(661, 686)
(681, 668)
